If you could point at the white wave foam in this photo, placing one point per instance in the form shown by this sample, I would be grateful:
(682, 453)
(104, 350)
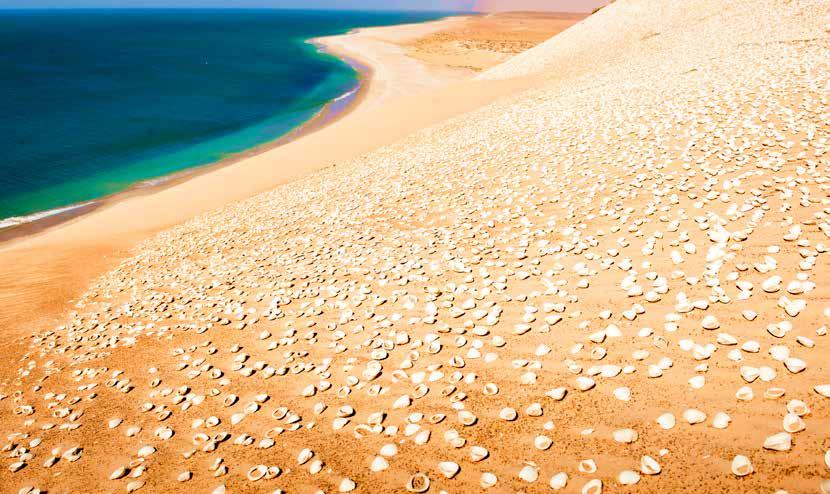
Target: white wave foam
(20, 220)
(347, 94)
(158, 181)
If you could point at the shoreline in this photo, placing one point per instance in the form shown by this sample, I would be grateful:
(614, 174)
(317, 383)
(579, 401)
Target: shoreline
(332, 111)
(46, 271)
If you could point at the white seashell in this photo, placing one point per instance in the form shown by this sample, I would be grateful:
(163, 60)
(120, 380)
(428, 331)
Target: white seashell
(542, 443)
(559, 481)
(745, 393)
(164, 433)
(508, 414)
(741, 466)
(774, 393)
(402, 402)
(593, 486)
(488, 480)
(622, 394)
(771, 285)
(693, 416)
(478, 453)
(146, 451)
(257, 472)
(118, 473)
(793, 423)
(184, 476)
(534, 410)
(823, 390)
(798, 407)
(766, 374)
(626, 436)
(749, 374)
(134, 485)
(389, 450)
(467, 418)
(221, 489)
(72, 454)
(827, 458)
(721, 420)
(418, 483)
(628, 477)
(710, 322)
(315, 467)
(751, 347)
(558, 394)
(697, 382)
(422, 437)
(305, 455)
(666, 421)
(529, 473)
(779, 442)
(113, 423)
(649, 466)
(347, 485)
(610, 370)
(795, 365)
(584, 383)
(491, 389)
(449, 469)
(379, 464)
(587, 466)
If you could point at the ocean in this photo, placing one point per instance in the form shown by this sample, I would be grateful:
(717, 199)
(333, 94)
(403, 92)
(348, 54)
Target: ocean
(95, 101)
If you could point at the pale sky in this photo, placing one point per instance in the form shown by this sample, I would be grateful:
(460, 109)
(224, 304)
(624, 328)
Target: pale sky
(436, 5)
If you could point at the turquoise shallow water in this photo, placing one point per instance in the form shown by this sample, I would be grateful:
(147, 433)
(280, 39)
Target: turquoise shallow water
(94, 101)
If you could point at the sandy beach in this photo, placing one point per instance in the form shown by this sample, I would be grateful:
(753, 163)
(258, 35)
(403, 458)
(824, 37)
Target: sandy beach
(44, 272)
(591, 264)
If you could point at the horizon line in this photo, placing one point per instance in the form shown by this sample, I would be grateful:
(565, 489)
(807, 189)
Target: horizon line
(184, 7)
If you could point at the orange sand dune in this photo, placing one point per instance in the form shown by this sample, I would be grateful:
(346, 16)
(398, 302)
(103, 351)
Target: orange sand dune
(600, 266)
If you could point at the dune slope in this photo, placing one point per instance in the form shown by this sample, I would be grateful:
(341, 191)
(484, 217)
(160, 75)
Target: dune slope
(617, 277)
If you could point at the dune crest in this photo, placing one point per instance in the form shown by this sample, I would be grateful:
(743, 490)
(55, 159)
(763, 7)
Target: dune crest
(630, 38)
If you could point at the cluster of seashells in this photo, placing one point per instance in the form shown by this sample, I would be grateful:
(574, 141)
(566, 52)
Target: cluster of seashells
(556, 292)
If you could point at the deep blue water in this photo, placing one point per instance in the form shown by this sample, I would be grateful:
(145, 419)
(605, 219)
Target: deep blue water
(93, 101)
